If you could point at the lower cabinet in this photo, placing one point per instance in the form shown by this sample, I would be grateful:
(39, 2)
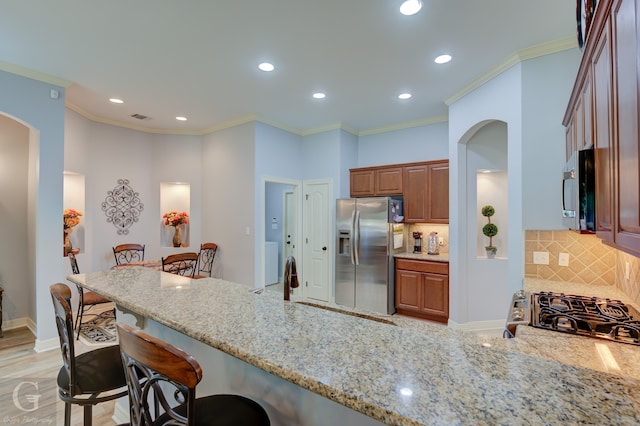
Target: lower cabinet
(422, 289)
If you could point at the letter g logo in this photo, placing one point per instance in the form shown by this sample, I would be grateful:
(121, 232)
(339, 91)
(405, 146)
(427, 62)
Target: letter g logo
(31, 398)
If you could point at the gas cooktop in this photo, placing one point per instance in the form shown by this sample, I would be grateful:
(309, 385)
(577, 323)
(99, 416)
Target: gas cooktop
(581, 315)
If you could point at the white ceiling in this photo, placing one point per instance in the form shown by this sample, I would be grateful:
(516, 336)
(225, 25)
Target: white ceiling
(198, 58)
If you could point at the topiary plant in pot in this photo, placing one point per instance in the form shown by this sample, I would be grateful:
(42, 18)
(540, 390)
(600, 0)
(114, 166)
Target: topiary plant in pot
(490, 230)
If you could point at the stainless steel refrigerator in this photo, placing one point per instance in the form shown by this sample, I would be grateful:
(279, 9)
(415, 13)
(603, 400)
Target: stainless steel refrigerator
(367, 238)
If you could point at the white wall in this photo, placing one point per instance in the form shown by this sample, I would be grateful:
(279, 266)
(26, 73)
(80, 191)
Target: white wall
(423, 143)
(29, 102)
(546, 86)
(498, 99)
(530, 98)
(14, 249)
(228, 206)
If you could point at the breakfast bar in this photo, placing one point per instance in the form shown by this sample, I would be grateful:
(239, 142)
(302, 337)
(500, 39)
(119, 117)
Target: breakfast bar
(312, 366)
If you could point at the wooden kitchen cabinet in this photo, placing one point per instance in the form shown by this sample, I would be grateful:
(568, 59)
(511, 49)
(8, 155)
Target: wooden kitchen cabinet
(422, 289)
(362, 183)
(376, 181)
(606, 92)
(426, 192)
(625, 18)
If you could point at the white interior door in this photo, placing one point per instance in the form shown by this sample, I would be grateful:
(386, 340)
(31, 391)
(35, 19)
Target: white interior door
(317, 238)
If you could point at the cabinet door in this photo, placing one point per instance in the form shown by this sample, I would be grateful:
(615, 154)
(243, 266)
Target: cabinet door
(389, 181)
(415, 193)
(408, 290)
(627, 178)
(603, 118)
(438, 193)
(362, 183)
(435, 295)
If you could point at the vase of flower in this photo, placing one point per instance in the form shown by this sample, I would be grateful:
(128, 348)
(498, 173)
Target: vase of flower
(175, 219)
(67, 242)
(177, 237)
(71, 218)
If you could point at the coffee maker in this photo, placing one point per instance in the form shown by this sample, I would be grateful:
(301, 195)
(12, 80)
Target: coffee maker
(417, 242)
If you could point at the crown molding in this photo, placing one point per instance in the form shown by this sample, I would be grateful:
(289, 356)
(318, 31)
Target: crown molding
(34, 75)
(521, 55)
(406, 125)
(86, 114)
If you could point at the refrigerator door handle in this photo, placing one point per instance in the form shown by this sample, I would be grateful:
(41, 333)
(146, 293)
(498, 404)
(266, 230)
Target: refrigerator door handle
(352, 250)
(356, 243)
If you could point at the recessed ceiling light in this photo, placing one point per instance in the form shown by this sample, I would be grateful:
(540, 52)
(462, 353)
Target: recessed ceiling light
(404, 96)
(319, 95)
(116, 101)
(266, 66)
(410, 7)
(442, 59)
(180, 118)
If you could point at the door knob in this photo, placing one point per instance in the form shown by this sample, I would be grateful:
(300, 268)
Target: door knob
(324, 248)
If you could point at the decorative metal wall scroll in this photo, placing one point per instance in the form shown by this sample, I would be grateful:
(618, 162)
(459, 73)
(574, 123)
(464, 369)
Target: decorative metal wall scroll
(122, 206)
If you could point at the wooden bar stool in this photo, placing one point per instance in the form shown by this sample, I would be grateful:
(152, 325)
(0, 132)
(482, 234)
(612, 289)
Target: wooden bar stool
(90, 378)
(159, 372)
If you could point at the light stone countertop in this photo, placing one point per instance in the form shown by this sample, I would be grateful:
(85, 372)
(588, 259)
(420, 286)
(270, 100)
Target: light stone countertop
(453, 377)
(443, 257)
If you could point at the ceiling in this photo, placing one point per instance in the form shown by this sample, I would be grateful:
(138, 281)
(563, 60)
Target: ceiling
(198, 58)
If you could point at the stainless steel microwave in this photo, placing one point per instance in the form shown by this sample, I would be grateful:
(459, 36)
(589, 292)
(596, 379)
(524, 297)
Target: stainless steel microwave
(579, 192)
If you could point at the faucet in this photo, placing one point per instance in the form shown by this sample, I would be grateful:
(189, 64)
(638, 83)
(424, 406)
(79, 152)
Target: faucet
(290, 277)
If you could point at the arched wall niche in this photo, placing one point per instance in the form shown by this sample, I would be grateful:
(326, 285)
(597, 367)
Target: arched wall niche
(483, 179)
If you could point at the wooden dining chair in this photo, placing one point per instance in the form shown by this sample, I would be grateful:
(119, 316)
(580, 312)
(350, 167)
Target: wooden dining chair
(184, 264)
(159, 372)
(205, 263)
(87, 300)
(90, 378)
(127, 253)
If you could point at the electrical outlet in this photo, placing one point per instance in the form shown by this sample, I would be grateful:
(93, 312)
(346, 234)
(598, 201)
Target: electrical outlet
(541, 257)
(627, 271)
(563, 259)
(440, 241)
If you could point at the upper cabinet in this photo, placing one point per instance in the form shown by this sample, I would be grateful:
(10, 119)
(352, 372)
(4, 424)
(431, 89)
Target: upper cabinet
(376, 181)
(426, 193)
(603, 111)
(425, 187)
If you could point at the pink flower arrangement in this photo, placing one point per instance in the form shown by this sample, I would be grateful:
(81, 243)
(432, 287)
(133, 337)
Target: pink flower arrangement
(71, 218)
(175, 218)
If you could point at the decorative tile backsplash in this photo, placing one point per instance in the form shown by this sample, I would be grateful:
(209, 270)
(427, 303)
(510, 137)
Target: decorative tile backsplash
(590, 261)
(426, 228)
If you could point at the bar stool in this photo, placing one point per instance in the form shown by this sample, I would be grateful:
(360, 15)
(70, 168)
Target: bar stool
(90, 378)
(158, 371)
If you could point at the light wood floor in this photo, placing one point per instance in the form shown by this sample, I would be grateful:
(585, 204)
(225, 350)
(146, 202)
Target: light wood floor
(21, 367)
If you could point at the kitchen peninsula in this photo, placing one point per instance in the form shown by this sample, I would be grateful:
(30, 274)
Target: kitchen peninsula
(305, 364)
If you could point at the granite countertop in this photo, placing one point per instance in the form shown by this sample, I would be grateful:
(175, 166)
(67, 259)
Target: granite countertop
(397, 374)
(443, 257)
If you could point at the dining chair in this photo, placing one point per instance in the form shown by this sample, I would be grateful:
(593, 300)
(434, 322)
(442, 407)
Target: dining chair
(205, 264)
(87, 299)
(127, 253)
(159, 375)
(90, 378)
(184, 264)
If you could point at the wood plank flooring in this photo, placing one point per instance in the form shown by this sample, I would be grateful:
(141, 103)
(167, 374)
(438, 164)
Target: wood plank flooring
(22, 370)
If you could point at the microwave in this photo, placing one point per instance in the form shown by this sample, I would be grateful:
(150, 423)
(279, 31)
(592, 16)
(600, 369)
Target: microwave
(579, 192)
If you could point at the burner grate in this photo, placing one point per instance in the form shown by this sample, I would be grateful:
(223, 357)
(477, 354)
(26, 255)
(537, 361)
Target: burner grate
(589, 316)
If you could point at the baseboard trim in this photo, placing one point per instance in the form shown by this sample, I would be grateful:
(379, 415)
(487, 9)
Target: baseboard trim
(12, 324)
(475, 326)
(47, 345)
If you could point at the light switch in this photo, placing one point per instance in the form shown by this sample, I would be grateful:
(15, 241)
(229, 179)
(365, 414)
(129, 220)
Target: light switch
(563, 259)
(541, 257)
